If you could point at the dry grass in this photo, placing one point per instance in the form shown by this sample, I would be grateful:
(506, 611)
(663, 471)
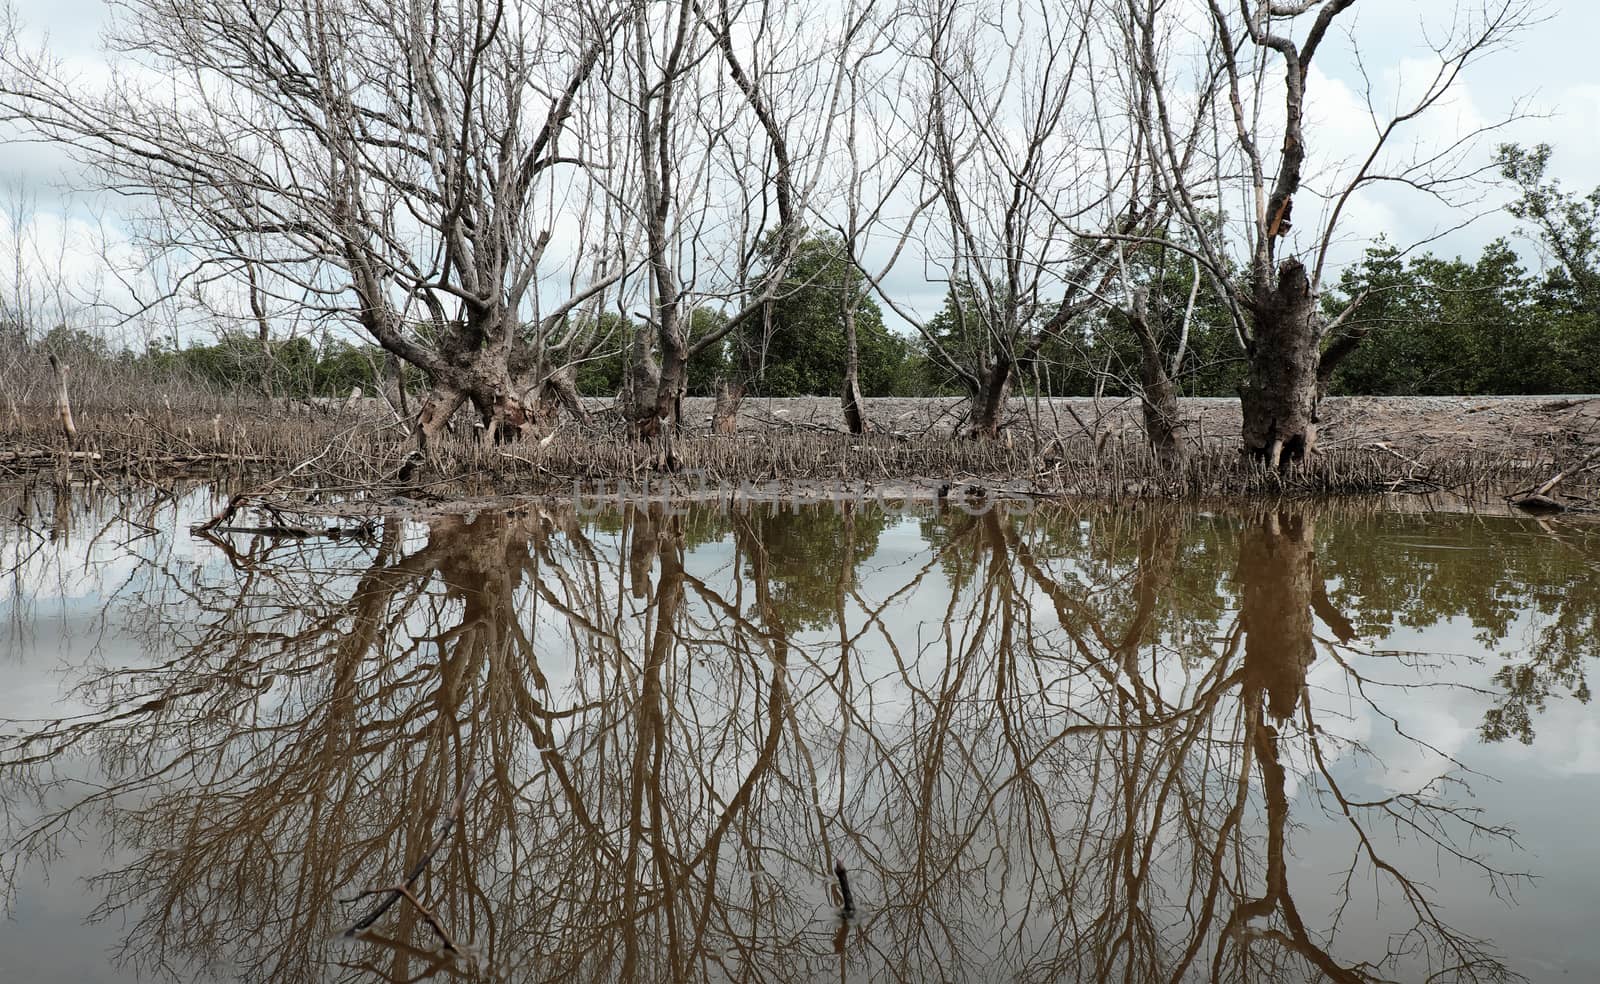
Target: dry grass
(359, 454)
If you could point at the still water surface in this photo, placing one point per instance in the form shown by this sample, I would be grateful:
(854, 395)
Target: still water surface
(1078, 743)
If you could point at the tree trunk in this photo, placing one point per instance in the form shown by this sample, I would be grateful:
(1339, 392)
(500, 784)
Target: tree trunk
(640, 388)
(989, 403)
(1163, 426)
(505, 417)
(394, 384)
(855, 415)
(258, 310)
(63, 402)
(730, 396)
(560, 389)
(1279, 397)
(434, 415)
(674, 375)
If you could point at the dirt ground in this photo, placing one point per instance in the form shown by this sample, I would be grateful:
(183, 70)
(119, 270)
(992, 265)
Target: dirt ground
(334, 457)
(1509, 425)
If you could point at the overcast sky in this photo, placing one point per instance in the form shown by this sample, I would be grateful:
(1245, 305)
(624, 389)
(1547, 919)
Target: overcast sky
(1551, 66)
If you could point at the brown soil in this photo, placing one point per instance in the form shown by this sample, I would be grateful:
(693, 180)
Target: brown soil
(1515, 426)
(320, 454)
(1522, 426)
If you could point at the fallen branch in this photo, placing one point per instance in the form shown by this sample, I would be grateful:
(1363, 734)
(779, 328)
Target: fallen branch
(1539, 499)
(239, 498)
(404, 891)
(48, 455)
(294, 532)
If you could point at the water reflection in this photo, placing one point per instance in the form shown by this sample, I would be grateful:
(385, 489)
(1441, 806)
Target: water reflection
(1079, 743)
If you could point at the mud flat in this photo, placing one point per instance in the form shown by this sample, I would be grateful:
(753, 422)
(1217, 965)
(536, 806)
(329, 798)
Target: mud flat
(355, 454)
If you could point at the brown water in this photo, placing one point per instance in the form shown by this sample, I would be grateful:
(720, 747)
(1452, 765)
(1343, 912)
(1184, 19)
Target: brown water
(1082, 743)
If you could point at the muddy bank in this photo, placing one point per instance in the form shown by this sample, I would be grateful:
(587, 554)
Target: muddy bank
(1496, 424)
(796, 449)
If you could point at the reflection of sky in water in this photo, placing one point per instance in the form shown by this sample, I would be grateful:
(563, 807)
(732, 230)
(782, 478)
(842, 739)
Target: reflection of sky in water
(60, 616)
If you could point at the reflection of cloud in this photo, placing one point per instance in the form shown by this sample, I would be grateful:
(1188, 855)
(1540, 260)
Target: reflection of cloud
(1447, 711)
(941, 774)
(81, 565)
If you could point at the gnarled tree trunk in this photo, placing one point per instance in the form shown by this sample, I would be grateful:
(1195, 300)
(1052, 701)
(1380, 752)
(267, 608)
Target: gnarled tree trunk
(1163, 426)
(1279, 396)
(559, 389)
(503, 413)
(989, 402)
(674, 377)
(641, 387)
(506, 418)
(433, 416)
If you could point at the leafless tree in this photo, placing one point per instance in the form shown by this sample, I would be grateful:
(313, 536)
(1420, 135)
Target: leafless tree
(734, 110)
(1009, 156)
(875, 212)
(398, 164)
(1257, 63)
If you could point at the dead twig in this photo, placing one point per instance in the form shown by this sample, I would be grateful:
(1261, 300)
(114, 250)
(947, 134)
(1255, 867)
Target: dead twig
(1538, 499)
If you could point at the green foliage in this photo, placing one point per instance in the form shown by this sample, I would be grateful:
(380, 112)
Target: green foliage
(1453, 327)
(802, 350)
(295, 367)
(74, 343)
(1213, 364)
(958, 329)
(1435, 326)
(1097, 350)
(961, 329)
(1568, 226)
(604, 374)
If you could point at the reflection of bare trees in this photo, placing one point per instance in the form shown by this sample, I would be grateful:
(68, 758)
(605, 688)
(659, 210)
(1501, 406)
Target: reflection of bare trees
(1041, 749)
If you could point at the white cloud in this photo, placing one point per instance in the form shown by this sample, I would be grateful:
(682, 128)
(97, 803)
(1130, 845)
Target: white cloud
(1549, 63)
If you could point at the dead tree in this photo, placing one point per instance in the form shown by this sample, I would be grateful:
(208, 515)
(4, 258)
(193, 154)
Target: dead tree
(1253, 89)
(1004, 161)
(406, 169)
(763, 150)
(63, 400)
(879, 175)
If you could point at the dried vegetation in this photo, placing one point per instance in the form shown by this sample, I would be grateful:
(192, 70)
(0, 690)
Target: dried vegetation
(338, 450)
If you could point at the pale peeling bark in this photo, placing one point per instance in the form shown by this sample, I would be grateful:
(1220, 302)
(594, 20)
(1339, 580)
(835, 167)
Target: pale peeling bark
(433, 416)
(63, 401)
